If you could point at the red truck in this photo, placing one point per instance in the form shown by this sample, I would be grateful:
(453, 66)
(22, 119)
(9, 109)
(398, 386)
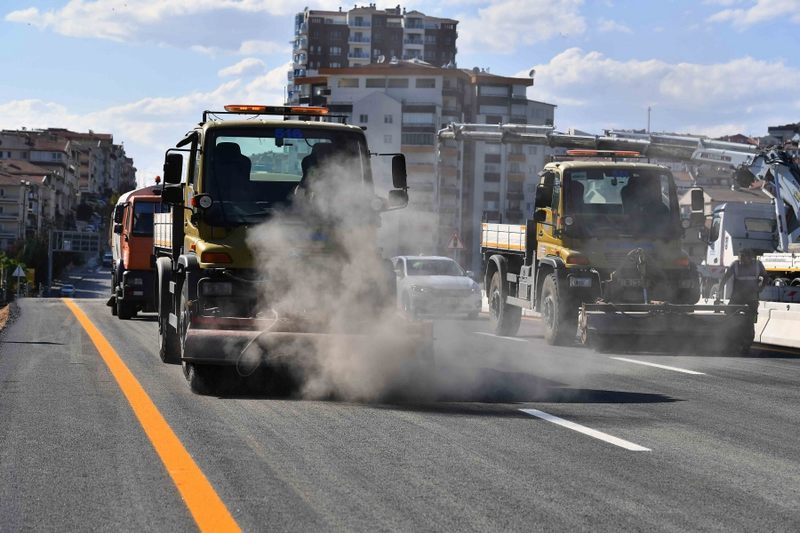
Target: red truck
(132, 268)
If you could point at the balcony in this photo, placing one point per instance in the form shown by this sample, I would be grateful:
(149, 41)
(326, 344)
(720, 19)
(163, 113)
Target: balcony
(359, 24)
(516, 176)
(517, 158)
(354, 39)
(413, 42)
(358, 55)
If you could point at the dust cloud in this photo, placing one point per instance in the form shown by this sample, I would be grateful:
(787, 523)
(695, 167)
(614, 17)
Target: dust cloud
(330, 296)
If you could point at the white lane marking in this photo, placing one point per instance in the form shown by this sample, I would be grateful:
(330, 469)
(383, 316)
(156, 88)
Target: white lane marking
(498, 336)
(586, 431)
(665, 367)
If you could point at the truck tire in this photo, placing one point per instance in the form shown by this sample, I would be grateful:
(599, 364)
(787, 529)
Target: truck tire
(503, 318)
(124, 310)
(202, 378)
(559, 327)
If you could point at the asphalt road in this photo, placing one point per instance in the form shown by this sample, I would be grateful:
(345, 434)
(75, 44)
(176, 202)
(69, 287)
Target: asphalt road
(718, 448)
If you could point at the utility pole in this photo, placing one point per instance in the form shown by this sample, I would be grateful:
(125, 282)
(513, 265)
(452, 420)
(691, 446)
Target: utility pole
(648, 118)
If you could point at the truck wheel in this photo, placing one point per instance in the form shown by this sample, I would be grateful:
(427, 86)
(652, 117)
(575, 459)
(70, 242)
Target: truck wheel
(124, 311)
(503, 318)
(201, 378)
(559, 329)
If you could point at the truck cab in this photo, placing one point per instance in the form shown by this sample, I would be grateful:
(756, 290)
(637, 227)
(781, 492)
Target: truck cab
(132, 271)
(601, 231)
(225, 178)
(733, 227)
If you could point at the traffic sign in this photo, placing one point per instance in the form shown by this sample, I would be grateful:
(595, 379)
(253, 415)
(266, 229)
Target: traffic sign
(19, 273)
(455, 242)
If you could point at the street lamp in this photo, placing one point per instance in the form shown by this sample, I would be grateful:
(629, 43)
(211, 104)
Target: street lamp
(26, 186)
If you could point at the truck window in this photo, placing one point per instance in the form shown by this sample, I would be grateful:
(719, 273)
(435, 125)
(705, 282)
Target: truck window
(761, 225)
(143, 217)
(250, 172)
(610, 202)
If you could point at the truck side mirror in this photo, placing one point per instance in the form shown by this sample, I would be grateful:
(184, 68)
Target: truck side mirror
(118, 228)
(172, 195)
(698, 201)
(544, 196)
(704, 235)
(399, 172)
(540, 215)
(398, 199)
(173, 169)
(118, 213)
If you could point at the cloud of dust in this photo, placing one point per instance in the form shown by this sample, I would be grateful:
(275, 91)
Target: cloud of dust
(337, 327)
(330, 292)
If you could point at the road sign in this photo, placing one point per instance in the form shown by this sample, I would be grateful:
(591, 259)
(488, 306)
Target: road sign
(19, 273)
(455, 242)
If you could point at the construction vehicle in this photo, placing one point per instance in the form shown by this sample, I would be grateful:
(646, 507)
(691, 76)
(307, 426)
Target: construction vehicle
(602, 258)
(132, 269)
(244, 165)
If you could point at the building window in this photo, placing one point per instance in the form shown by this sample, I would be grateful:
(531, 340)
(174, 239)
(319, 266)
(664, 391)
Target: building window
(418, 118)
(398, 83)
(418, 139)
(363, 118)
(374, 83)
(348, 82)
(2, 192)
(335, 50)
(388, 119)
(387, 139)
(426, 83)
(333, 64)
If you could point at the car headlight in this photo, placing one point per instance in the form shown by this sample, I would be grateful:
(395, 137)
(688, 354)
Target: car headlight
(416, 288)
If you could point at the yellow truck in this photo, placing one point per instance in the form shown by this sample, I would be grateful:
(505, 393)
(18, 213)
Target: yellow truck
(601, 260)
(235, 171)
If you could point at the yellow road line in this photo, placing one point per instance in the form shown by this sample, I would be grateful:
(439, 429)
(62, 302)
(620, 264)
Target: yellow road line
(207, 508)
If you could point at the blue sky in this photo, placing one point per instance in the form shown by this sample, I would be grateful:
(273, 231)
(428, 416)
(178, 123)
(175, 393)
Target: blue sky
(144, 70)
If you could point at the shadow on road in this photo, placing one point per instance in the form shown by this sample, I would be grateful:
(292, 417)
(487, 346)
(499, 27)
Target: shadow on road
(34, 342)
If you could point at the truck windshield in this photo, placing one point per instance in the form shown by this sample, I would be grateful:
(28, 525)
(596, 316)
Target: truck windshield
(249, 172)
(142, 224)
(618, 202)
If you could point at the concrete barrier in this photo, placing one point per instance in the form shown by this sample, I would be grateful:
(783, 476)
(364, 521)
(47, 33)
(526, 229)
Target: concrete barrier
(781, 324)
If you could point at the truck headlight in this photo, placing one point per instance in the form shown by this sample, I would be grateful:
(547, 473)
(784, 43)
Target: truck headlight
(219, 288)
(136, 281)
(580, 282)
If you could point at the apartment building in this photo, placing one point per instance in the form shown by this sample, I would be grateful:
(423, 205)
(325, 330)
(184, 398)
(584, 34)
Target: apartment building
(453, 186)
(360, 36)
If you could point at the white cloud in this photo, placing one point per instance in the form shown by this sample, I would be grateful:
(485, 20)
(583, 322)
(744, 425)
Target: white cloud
(758, 12)
(147, 126)
(257, 47)
(203, 24)
(594, 92)
(504, 25)
(247, 64)
(607, 26)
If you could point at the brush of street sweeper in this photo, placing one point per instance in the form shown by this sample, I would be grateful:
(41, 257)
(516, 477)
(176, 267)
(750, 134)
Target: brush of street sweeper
(637, 313)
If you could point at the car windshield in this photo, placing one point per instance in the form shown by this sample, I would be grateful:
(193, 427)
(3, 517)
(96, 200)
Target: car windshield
(617, 202)
(249, 172)
(143, 216)
(433, 267)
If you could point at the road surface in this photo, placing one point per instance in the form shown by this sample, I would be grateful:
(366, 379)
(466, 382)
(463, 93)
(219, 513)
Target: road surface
(521, 436)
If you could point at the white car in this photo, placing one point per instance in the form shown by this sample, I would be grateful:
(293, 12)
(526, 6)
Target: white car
(434, 285)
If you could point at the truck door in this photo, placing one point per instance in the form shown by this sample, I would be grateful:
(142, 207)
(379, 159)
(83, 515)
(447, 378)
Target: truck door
(715, 239)
(548, 197)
